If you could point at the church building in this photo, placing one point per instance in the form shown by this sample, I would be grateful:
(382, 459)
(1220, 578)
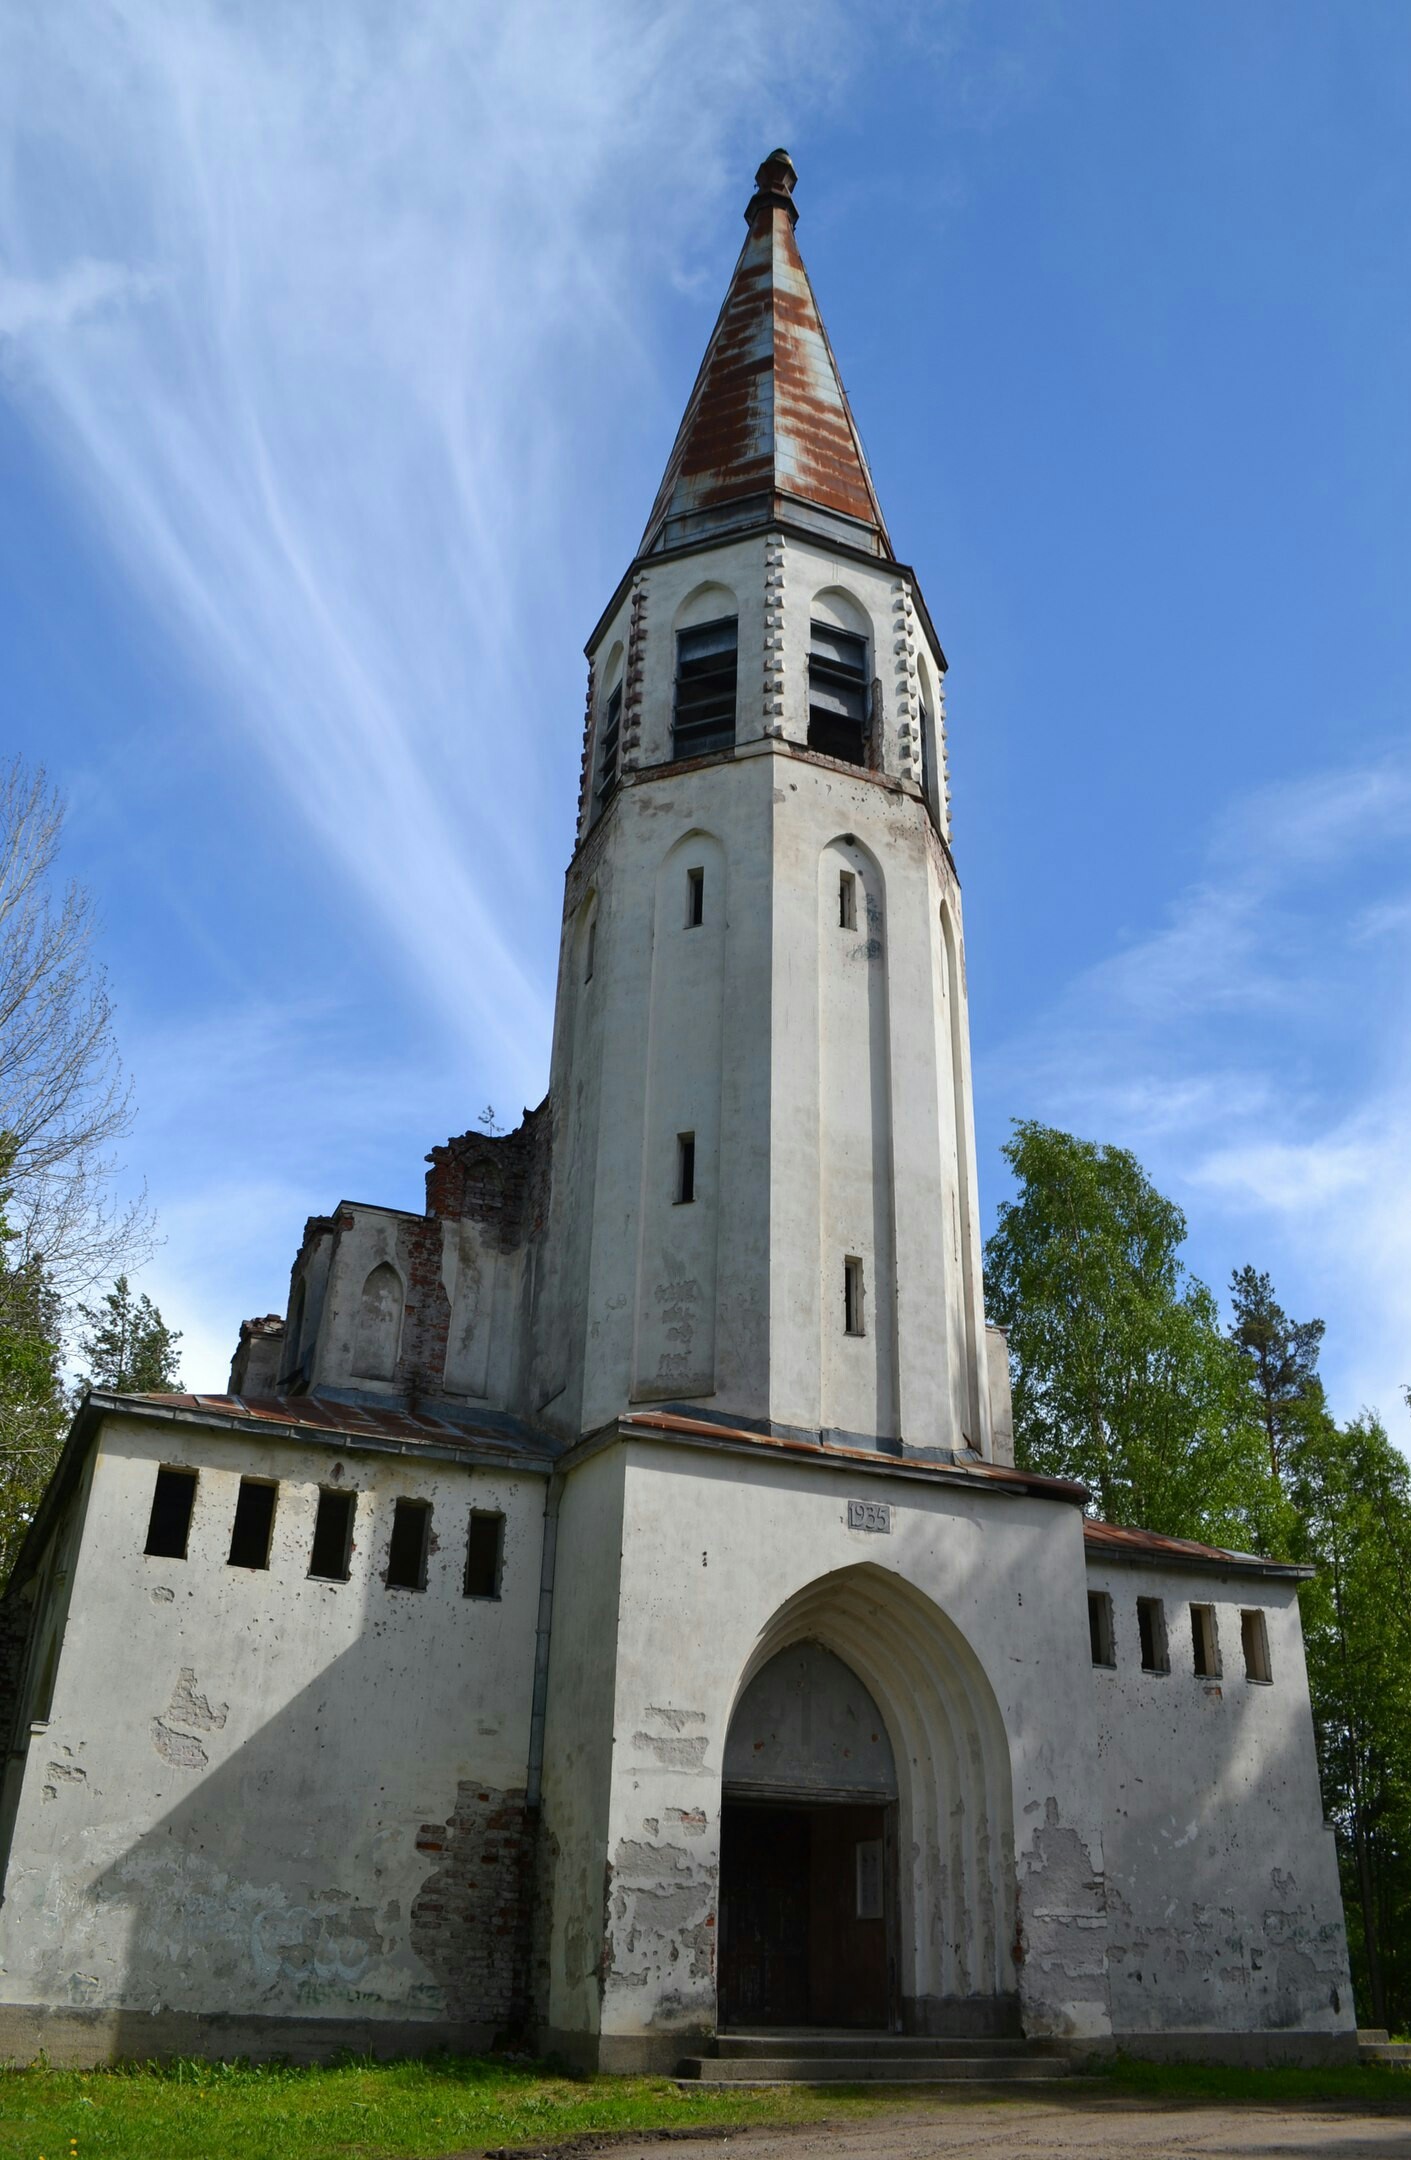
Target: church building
(604, 1612)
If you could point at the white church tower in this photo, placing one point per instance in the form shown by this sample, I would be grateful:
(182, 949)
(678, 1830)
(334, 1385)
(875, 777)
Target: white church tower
(764, 1181)
(604, 1609)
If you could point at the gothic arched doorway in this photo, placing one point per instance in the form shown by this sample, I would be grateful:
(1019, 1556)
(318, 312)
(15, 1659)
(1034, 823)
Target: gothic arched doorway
(938, 1778)
(807, 1850)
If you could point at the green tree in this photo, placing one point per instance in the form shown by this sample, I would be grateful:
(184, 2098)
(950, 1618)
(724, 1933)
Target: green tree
(129, 1347)
(1122, 1375)
(33, 1406)
(1352, 1490)
(1281, 1356)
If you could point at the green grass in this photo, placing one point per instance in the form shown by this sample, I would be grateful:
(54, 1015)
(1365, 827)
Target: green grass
(414, 2110)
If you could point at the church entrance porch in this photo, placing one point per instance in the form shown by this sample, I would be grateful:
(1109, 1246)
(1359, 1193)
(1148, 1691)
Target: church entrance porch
(806, 1898)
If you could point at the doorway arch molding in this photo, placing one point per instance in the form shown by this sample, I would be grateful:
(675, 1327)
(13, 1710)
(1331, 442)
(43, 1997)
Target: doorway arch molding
(955, 1794)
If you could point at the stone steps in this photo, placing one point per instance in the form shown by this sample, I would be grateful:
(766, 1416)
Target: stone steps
(783, 2058)
(1375, 2045)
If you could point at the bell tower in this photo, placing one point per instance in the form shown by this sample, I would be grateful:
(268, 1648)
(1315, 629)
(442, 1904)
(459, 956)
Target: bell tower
(764, 1209)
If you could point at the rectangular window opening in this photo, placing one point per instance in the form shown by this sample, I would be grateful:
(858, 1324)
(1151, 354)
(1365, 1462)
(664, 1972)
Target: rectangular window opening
(847, 900)
(707, 658)
(333, 1536)
(609, 738)
(254, 1524)
(852, 1296)
(685, 1168)
(411, 1536)
(1205, 1642)
(1100, 1627)
(483, 1550)
(695, 899)
(1254, 1638)
(838, 694)
(169, 1524)
(1151, 1626)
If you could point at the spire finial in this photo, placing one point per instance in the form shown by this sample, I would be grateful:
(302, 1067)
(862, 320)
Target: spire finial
(774, 186)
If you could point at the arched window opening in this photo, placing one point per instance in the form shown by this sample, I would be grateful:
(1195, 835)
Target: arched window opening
(838, 697)
(707, 656)
(379, 1324)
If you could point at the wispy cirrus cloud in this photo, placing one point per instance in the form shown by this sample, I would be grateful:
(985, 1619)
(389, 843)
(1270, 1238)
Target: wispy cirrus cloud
(318, 313)
(1206, 1046)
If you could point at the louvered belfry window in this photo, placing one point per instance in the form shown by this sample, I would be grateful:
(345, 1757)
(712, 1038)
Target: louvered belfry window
(609, 737)
(837, 694)
(706, 658)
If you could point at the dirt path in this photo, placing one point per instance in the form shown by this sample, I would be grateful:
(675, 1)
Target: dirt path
(1102, 2130)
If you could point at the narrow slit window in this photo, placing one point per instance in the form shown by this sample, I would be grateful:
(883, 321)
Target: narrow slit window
(1254, 1639)
(695, 899)
(685, 1168)
(1100, 1627)
(837, 694)
(706, 663)
(411, 1536)
(852, 1296)
(169, 1524)
(254, 1524)
(847, 901)
(483, 1551)
(1205, 1642)
(590, 951)
(333, 1536)
(927, 757)
(609, 740)
(1151, 1626)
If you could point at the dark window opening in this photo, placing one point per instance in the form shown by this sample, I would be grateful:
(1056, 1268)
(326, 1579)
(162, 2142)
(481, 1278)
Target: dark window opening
(1151, 1626)
(411, 1536)
(706, 664)
(837, 694)
(254, 1524)
(926, 757)
(1254, 1640)
(609, 738)
(852, 1297)
(1100, 1627)
(1205, 1643)
(333, 1536)
(685, 1168)
(169, 1524)
(695, 899)
(482, 1555)
(847, 901)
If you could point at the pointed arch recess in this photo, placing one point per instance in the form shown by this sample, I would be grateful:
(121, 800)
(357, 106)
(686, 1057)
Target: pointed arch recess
(955, 1793)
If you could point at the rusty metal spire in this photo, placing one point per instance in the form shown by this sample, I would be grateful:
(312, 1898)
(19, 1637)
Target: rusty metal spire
(768, 433)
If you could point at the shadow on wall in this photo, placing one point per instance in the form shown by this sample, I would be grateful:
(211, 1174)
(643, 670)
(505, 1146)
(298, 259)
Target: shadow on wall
(322, 1869)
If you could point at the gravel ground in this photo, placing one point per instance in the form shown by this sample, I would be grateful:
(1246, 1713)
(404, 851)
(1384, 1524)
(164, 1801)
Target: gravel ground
(1100, 2130)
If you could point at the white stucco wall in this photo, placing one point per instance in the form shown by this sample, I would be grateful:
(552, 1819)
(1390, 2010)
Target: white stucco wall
(966, 1622)
(236, 1799)
(1224, 1911)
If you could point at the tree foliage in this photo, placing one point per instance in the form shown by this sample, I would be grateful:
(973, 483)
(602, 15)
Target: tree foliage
(33, 1404)
(1351, 1489)
(1123, 1377)
(1281, 1357)
(128, 1346)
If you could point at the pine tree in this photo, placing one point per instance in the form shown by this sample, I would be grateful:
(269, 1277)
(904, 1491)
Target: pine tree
(1282, 1357)
(129, 1347)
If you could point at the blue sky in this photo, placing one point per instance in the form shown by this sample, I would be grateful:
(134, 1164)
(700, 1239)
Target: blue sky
(340, 352)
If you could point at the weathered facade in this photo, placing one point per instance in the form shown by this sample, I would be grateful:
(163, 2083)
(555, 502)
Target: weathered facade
(604, 1608)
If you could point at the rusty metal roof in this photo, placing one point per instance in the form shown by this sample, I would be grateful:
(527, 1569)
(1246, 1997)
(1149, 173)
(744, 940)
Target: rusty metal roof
(1114, 1542)
(768, 427)
(350, 1421)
